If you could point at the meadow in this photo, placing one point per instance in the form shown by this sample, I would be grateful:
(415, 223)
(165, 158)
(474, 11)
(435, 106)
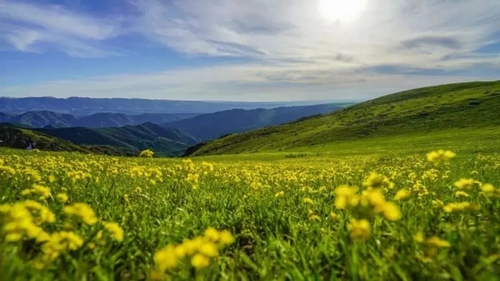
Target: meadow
(411, 215)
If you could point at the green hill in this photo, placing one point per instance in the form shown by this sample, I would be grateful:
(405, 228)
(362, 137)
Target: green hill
(165, 142)
(13, 136)
(430, 111)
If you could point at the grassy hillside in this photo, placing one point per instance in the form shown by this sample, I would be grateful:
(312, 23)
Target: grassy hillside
(165, 142)
(12, 136)
(425, 111)
(213, 125)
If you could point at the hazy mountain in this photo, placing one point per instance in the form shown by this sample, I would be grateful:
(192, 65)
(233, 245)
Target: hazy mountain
(86, 106)
(213, 125)
(41, 119)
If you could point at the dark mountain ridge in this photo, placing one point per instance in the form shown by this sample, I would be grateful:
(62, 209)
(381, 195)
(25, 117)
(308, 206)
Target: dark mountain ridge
(214, 125)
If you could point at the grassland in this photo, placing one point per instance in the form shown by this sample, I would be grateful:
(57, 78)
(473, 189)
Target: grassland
(282, 210)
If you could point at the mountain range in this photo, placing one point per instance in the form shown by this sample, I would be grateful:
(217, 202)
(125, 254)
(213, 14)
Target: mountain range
(39, 119)
(81, 106)
(53, 130)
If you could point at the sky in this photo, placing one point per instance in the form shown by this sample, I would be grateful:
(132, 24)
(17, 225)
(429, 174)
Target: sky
(241, 50)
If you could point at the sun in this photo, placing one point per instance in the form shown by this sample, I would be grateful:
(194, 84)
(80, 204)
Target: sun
(341, 10)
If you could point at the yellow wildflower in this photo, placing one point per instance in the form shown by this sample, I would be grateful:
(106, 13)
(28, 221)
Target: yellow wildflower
(62, 197)
(166, 258)
(402, 194)
(359, 229)
(115, 230)
(83, 211)
(440, 156)
(200, 261)
(464, 184)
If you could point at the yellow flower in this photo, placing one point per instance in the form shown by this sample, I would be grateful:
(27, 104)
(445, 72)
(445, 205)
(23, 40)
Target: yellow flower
(345, 195)
(391, 211)
(281, 193)
(359, 229)
(115, 230)
(200, 261)
(209, 249)
(308, 201)
(166, 258)
(487, 188)
(440, 156)
(226, 237)
(437, 242)
(402, 195)
(464, 184)
(180, 251)
(419, 237)
(52, 178)
(212, 234)
(83, 211)
(461, 194)
(62, 197)
(61, 241)
(375, 180)
(314, 217)
(146, 153)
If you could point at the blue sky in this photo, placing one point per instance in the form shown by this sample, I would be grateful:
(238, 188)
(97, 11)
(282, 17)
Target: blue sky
(244, 50)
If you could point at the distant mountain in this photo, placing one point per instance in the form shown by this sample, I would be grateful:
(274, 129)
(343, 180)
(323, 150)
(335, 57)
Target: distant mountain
(87, 106)
(41, 119)
(17, 137)
(211, 126)
(163, 141)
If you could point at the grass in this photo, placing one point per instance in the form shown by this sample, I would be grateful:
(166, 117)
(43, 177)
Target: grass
(277, 236)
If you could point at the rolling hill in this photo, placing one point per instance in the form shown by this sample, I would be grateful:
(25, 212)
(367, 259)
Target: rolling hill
(214, 125)
(424, 111)
(40, 119)
(13, 136)
(164, 141)
(81, 106)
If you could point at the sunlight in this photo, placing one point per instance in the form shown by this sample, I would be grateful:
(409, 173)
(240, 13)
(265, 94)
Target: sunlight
(340, 10)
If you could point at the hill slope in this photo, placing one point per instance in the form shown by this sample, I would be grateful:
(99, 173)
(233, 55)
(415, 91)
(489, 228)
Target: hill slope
(214, 125)
(40, 119)
(16, 137)
(165, 142)
(422, 111)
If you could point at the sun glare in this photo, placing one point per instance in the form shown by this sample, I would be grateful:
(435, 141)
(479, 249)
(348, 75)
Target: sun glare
(341, 10)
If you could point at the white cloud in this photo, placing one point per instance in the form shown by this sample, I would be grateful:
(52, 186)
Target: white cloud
(299, 55)
(36, 28)
(237, 83)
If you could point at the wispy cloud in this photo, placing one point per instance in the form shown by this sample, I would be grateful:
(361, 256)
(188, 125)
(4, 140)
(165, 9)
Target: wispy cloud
(36, 28)
(287, 48)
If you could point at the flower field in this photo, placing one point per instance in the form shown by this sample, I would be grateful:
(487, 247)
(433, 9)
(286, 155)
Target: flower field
(416, 217)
